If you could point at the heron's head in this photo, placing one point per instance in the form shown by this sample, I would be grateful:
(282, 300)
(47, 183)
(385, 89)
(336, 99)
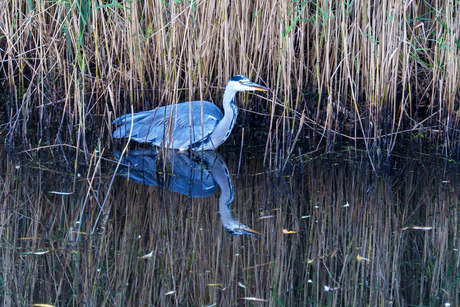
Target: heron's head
(243, 230)
(241, 83)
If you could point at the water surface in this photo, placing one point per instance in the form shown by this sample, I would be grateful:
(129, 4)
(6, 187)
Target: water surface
(332, 231)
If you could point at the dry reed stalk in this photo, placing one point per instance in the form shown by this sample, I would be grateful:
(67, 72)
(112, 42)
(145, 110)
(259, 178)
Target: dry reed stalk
(359, 70)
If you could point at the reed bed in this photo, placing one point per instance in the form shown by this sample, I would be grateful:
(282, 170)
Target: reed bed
(360, 239)
(357, 71)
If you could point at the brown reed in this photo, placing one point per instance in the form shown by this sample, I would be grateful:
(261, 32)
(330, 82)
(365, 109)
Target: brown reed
(360, 71)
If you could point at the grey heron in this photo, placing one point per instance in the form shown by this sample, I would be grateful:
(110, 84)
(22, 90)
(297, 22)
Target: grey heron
(172, 127)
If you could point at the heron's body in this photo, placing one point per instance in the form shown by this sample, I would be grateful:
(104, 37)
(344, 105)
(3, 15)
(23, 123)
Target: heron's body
(172, 127)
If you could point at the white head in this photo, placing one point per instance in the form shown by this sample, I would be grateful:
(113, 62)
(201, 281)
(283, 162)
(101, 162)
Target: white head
(241, 83)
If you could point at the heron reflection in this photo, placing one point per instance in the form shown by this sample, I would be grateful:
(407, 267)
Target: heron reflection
(197, 174)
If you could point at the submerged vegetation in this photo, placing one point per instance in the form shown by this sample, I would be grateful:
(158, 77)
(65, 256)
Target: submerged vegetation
(346, 69)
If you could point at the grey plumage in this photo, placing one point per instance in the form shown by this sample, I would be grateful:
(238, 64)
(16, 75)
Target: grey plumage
(154, 126)
(172, 127)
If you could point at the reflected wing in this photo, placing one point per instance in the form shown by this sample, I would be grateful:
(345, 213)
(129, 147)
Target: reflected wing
(185, 174)
(171, 124)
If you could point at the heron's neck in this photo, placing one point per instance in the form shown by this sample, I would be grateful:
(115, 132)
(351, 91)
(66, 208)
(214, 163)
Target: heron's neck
(224, 181)
(226, 198)
(225, 126)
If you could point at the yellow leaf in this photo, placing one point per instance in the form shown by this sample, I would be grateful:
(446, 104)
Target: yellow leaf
(286, 232)
(359, 258)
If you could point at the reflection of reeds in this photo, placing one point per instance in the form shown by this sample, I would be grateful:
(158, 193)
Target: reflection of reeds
(360, 71)
(352, 235)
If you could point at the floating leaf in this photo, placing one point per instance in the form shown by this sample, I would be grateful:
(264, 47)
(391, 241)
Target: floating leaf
(241, 285)
(286, 232)
(266, 217)
(417, 228)
(36, 253)
(254, 299)
(359, 258)
(41, 253)
(42, 305)
(61, 193)
(80, 232)
(28, 238)
(149, 255)
(215, 285)
(327, 288)
(258, 265)
(170, 292)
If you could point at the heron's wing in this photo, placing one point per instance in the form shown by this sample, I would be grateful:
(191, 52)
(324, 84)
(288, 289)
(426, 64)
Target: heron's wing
(172, 124)
(138, 121)
(180, 131)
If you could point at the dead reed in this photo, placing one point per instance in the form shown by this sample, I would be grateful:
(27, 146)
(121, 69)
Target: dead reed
(356, 70)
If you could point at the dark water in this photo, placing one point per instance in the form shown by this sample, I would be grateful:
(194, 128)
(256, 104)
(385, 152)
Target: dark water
(332, 231)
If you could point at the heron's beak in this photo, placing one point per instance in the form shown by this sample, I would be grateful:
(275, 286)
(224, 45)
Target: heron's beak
(251, 86)
(250, 231)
